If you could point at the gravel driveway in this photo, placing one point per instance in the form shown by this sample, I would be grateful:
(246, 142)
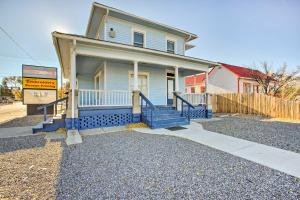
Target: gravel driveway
(282, 135)
(29, 167)
(131, 165)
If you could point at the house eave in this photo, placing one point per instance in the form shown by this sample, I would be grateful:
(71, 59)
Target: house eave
(95, 42)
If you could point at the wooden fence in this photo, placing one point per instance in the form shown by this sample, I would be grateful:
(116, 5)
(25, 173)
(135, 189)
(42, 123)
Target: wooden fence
(258, 104)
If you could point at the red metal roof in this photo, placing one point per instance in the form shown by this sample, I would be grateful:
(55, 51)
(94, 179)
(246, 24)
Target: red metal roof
(242, 71)
(195, 79)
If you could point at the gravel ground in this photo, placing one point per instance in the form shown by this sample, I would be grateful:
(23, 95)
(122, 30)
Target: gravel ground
(29, 167)
(278, 134)
(130, 165)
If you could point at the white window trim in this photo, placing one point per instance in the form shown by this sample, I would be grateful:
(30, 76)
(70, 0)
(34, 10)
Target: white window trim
(173, 40)
(166, 82)
(95, 80)
(130, 72)
(134, 29)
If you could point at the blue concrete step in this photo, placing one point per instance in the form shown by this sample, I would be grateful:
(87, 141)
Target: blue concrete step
(169, 125)
(165, 117)
(51, 124)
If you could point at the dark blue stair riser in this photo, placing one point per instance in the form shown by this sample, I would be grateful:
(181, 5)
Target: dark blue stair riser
(165, 118)
(168, 125)
(50, 126)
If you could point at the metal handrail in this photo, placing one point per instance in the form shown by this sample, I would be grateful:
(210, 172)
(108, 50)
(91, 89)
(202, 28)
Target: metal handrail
(151, 106)
(147, 100)
(186, 102)
(54, 103)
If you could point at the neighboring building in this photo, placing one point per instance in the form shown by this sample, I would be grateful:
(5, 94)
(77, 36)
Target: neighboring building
(122, 53)
(224, 78)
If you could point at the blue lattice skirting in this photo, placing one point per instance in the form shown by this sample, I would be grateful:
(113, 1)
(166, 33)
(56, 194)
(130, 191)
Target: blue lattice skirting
(198, 112)
(96, 118)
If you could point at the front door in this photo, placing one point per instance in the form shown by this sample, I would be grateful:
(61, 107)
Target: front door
(170, 90)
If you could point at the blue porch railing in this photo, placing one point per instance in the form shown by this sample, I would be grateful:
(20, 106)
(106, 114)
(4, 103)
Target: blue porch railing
(54, 104)
(147, 111)
(183, 101)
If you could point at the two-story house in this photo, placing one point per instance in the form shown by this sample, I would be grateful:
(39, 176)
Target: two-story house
(124, 61)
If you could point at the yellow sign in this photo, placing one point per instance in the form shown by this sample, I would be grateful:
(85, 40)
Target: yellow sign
(39, 83)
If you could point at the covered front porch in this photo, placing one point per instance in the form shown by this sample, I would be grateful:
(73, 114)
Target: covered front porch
(105, 82)
(114, 84)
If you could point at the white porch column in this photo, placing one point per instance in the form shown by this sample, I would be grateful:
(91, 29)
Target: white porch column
(135, 76)
(136, 109)
(206, 82)
(73, 136)
(176, 80)
(73, 79)
(176, 89)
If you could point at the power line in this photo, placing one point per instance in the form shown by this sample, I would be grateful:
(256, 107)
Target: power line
(18, 45)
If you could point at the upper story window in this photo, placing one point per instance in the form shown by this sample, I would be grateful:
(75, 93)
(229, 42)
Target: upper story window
(138, 39)
(170, 46)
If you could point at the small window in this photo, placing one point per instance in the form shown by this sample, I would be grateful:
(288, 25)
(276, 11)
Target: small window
(192, 89)
(255, 89)
(170, 46)
(138, 39)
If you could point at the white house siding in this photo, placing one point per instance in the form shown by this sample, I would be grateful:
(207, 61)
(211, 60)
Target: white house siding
(222, 81)
(155, 39)
(181, 83)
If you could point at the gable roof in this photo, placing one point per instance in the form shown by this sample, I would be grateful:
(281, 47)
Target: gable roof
(242, 72)
(195, 79)
(113, 11)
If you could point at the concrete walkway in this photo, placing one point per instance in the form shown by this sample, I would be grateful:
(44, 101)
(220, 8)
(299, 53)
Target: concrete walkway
(275, 158)
(15, 131)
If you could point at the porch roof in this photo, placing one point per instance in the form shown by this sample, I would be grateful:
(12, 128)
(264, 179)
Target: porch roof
(106, 49)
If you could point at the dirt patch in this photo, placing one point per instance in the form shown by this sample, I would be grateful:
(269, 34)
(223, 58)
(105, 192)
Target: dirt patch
(12, 111)
(23, 121)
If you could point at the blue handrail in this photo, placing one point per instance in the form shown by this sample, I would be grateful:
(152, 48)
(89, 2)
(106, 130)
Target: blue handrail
(54, 103)
(186, 102)
(144, 110)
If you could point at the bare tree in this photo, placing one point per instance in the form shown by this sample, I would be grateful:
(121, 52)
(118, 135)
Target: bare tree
(276, 83)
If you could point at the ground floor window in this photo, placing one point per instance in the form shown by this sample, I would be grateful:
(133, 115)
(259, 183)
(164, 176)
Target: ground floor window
(246, 87)
(142, 82)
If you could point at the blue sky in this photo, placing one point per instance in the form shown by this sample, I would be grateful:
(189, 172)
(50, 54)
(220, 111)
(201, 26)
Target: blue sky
(231, 31)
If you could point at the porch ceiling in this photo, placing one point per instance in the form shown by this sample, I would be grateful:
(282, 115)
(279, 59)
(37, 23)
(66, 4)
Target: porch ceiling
(87, 65)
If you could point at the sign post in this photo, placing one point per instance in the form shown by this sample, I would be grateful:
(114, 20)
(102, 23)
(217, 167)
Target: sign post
(39, 87)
